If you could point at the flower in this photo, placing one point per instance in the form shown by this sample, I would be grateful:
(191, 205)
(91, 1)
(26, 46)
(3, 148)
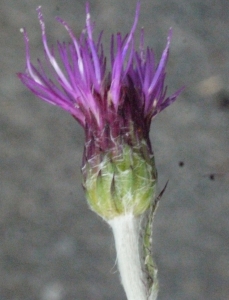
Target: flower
(114, 107)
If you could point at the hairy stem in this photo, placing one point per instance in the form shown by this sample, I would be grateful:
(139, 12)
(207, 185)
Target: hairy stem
(126, 229)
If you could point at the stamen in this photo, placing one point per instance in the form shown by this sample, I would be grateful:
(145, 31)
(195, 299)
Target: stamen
(162, 63)
(50, 56)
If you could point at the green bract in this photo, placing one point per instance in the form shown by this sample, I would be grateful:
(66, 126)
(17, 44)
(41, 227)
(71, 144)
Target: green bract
(120, 184)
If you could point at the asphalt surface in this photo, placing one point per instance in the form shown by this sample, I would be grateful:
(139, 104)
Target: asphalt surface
(52, 247)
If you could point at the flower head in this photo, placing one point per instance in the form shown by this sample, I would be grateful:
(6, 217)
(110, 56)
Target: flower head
(114, 107)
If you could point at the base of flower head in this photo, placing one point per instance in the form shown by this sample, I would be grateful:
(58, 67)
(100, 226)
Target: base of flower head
(118, 184)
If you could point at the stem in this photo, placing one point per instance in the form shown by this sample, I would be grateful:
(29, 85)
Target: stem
(126, 233)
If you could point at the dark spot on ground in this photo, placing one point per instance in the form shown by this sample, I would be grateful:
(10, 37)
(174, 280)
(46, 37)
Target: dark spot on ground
(181, 164)
(222, 99)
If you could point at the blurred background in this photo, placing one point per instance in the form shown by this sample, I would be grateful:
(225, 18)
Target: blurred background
(52, 247)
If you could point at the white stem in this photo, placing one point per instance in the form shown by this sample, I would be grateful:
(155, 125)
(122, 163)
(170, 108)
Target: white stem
(126, 234)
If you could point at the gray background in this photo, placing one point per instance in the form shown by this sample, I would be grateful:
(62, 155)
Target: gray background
(52, 247)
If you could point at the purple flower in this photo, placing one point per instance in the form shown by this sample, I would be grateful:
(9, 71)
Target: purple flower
(114, 107)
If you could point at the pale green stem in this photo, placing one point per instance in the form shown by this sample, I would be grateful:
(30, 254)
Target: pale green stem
(126, 229)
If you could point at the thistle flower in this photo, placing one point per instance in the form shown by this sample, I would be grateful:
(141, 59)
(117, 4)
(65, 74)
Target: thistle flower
(115, 105)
